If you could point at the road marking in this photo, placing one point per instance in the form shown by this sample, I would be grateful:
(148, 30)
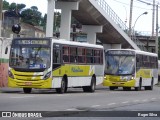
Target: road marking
(145, 100)
(23, 97)
(153, 98)
(136, 101)
(60, 95)
(72, 109)
(125, 102)
(115, 92)
(111, 104)
(95, 105)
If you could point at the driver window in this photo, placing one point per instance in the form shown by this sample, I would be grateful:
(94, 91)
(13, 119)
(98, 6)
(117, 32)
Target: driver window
(56, 56)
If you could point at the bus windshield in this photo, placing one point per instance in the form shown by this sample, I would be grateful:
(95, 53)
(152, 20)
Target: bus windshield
(29, 57)
(120, 64)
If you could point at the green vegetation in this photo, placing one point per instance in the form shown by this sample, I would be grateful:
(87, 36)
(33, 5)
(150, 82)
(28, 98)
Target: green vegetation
(34, 17)
(28, 15)
(159, 48)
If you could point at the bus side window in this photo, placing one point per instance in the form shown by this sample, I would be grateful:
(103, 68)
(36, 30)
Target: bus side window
(73, 54)
(81, 55)
(66, 54)
(89, 55)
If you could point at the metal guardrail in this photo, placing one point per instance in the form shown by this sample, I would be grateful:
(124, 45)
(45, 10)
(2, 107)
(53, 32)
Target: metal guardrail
(103, 4)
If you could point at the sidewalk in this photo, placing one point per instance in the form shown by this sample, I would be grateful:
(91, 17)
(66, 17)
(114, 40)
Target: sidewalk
(10, 90)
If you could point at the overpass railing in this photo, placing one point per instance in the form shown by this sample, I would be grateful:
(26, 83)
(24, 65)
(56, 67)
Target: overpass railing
(103, 4)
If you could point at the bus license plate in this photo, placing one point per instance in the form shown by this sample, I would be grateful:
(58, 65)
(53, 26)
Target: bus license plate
(28, 83)
(117, 83)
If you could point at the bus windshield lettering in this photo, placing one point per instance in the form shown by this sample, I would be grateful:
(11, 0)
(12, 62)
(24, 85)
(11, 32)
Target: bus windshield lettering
(33, 42)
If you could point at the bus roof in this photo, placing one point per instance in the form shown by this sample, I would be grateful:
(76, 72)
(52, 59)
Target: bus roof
(137, 52)
(63, 41)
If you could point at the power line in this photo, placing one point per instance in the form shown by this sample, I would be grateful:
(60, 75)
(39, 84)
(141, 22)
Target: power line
(157, 1)
(133, 6)
(149, 3)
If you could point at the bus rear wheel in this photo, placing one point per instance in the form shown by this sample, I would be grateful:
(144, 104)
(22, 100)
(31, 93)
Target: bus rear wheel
(92, 86)
(27, 90)
(150, 87)
(140, 86)
(63, 87)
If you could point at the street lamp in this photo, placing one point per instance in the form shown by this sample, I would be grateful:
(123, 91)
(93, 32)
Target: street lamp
(145, 13)
(133, 35)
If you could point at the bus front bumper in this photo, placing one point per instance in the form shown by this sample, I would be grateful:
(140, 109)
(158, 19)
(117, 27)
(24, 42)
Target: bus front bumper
(130, 83)
(29, 84)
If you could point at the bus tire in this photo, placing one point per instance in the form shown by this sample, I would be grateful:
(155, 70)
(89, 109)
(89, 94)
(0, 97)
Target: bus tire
(63, 87)
(92, 86)
(150, 87)
(140, 86)
(112, 88)
(126, 88)
(27, 90)
(85, 88)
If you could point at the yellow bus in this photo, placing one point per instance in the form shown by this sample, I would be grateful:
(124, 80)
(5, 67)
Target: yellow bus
(52, 63)
(129, 68)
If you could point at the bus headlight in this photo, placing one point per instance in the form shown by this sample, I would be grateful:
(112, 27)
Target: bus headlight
(47, 75)
(10, 74)
(132, 78)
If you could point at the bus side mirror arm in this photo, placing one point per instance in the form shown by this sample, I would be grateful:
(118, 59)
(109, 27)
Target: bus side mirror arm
(6, 50)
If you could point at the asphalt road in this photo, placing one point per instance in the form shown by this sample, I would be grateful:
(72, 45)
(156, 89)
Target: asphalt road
(76, 101)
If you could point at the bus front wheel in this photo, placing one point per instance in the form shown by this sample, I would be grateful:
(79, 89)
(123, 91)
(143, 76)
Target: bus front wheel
(27, 90)
(126, 88)
(113, 88)
(63, 87)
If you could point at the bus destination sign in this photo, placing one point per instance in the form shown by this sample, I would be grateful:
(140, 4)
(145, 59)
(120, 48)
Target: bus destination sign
(122, 52)
(34, 42)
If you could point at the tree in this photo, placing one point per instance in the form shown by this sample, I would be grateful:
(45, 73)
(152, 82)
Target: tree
(5, 5)
(43, 22)
(159, 48)
(57, 20)
(16, 7)
(31, 16)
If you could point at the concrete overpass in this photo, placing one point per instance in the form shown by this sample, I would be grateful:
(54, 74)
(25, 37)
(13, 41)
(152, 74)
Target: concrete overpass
(98, 13)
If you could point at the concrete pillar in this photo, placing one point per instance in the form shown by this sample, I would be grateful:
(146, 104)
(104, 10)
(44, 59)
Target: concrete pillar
(116, 46)
(0, 28)
(66, 9)
(111, 46)
(50, 18)
(91, 31)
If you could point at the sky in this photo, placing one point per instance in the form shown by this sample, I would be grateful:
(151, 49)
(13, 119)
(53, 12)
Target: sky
(120, 7)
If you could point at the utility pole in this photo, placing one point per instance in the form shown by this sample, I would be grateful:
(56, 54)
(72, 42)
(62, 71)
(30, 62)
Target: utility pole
(157, 46)
(130, 18)
(1, 8)
(153, 17)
